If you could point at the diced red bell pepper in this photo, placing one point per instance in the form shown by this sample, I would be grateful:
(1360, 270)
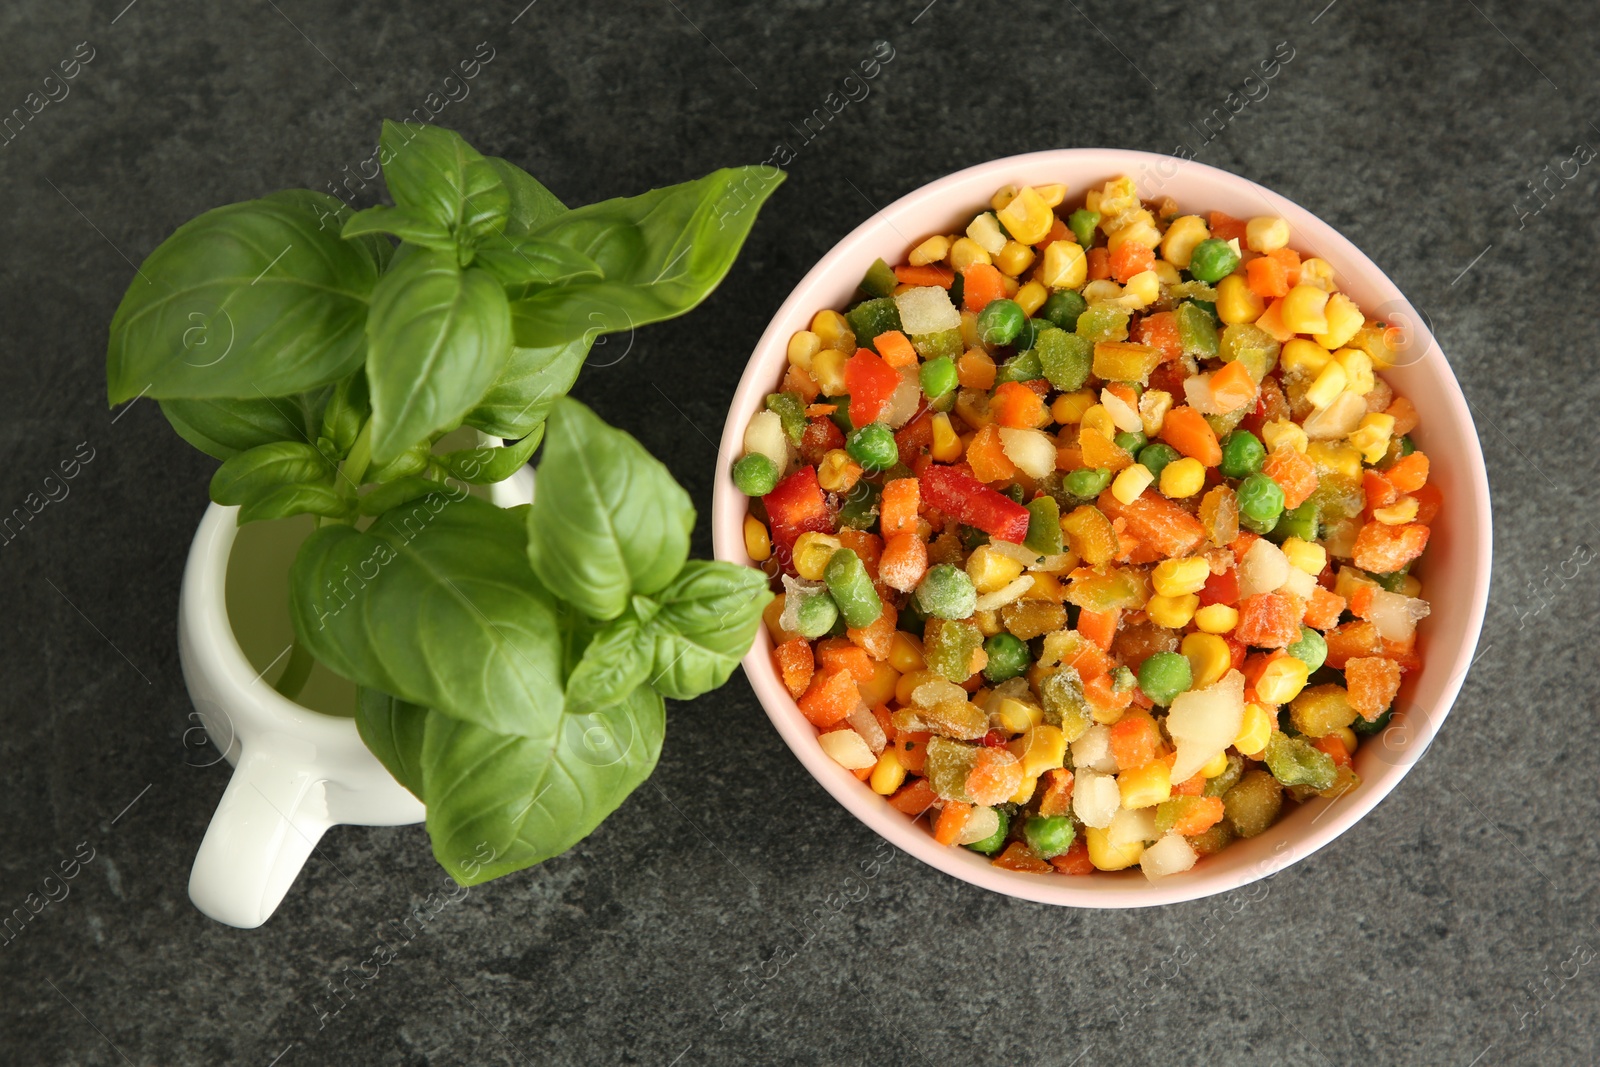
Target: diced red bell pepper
(796, 505)
(820, 437)
(914, 436)
(870, 382)
(1221, 588)
(959, 494)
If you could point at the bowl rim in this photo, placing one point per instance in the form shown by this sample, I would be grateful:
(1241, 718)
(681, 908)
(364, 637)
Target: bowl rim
(1132, 889)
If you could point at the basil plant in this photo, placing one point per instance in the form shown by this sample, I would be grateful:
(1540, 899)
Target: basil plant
(511, 664)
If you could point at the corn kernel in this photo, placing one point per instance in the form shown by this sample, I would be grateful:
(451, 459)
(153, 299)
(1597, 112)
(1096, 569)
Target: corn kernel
(1106, 716)
(1173, 612)
(905, 652)
(1216, 765)
(1411, 586)
(1014, 258)
(1051, 194)
(907, 684)
(1299, 356)
(1281, 433)
(1208, 656)
(1175, 577)
(1108, 857)
(1344, 319)
(1003, 196)
(1068, 409)
(1182, 478)
(1024, 791)
(1185, 232)
(827, 368)
(933, 250)
(833, 330)
(1018, 716)
(812, 551)
(1098, 418)
(1341, 459)
(1236, 302)
(1305, 555)
(1397, 514)
(1255, 730)
(1266, 233)
(984, 231)
(1130, 482)
(1031, 297)
(987, 622)
(1143, 786)
(1317, 272)
(1282, 679)
(1358, 369)
(1102, 291)
(1027, 217)
(1329, 384)
(1166, 273)
(1217, 618)
(990, 571)
(1347, 580)
(838, 473)
(967, 253)
(757, 543)
(1064, 266)
(1140, 230)
(1142, 290)
(802, 346)
(1347, 737)
(889, 774)
(1302, 309)
(969, 331)
(879, 689)
(1042, 748)
(1371, 438)
(946, 446)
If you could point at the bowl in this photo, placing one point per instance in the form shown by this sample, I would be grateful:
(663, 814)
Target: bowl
(1455, 569)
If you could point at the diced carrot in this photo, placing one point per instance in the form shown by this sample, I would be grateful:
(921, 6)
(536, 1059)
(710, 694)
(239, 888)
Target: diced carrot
(1089, 660)
(981, 284)
(1409, 473)
(1290, 260)
(911, 749)
(1186, 429)
(1430, 498)
(796, 663)
(914, 798)
(1268, 278)
(1057, 796)
(988, 457)
(1330, 745)
(1098, 450)
(895, 348)
(995, 776)
(839, 654)
(897, 508)
(1192, 786)
(798, 380)
(1240, 546)
(1198, 818)
(1383, 549)
(952, 820)
(1270, 321)
(1372, 682)
(1129, 259)
(1039, 385)
(1135, 740)
(1323, 609)
(1404, 413)
(869, 546)
(1015, 405)
(1058, 232)
(885, 719)
(929, 274)
(1378, 490)
(1402, 652)
(1160, 331)
(1225, 227)
(876, 637)
(1099, 626)
(819, 411)
(1124, 392)
(1268, 620)
(830, 697)
(1019, 857)
(904, 561)
(1361, 600)
(975, 370)
(871, 383)
(1099, 264)
(1075, 860)
(1232, 387)
(1351, 641)
(1295, 474)
(1156, 521)
(1100, 693)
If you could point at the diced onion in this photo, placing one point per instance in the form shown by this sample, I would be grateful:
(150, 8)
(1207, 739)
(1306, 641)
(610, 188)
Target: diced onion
(1171, 855)
(982, 823)
(1002, 597)
(847, 749)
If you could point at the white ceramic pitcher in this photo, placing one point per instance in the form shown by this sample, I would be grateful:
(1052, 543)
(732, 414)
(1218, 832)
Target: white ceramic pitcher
(297, 772)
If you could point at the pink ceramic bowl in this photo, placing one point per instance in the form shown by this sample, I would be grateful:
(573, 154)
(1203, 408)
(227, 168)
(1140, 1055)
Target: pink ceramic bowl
(1455, 570)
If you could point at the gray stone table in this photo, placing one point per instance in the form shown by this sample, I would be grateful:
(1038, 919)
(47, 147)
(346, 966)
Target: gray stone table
(1456, 925)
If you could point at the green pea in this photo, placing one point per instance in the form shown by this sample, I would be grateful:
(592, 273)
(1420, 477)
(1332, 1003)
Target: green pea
(1086, 483)
(1156, 455)
(1082, 223)
(1163, 676)
(1311, 649)
(851, 589)
(1028, 336)
(938, 377)
(873, 447)
(1000, 321)
(1064, 358)
(755, 475)
(1242, 454)
(1212, 260)
(1008, 657)
(1048, 835)
(995, 841)
(816, 614)
(1130, 442)
(946, 592)
(1260, 502)
(1063, 307)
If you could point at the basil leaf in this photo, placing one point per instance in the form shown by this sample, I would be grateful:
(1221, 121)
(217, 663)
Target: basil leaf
(404, 223)
(224, 427)
(346, 411)
(392, 730)
(247, 475)
(439, 177)
(252, 299)
(524, 264)
(282, 501)
(531, 799)
(532, 381)
(615, 663)
(532, 205)
(438, 336)
(708, 617)
(331, 214)
(487, 465)
(413, 460)
(402, 491)
(435, 604)
(607, 520)
(661, 254)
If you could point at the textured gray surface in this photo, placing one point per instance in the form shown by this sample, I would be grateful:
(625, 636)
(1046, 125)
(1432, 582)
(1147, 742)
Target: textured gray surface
(1456, 925)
